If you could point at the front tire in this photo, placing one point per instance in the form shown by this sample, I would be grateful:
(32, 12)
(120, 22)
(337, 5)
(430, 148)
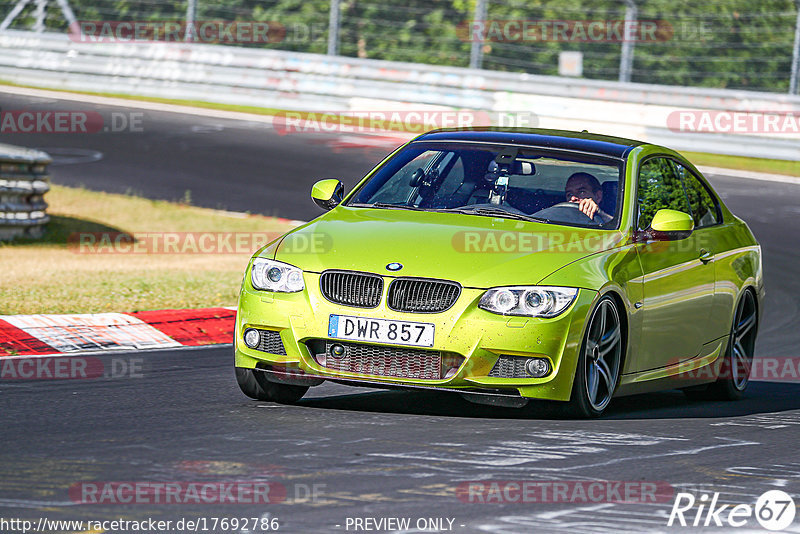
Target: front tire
(256, 386)
(599, 362)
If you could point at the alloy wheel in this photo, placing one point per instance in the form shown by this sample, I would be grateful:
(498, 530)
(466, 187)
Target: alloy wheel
(603, 354)
(743, 341)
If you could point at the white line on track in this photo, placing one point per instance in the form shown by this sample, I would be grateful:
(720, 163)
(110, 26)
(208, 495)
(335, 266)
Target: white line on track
(559, 513)
(112, 352)
(763, 176)
(138, 104)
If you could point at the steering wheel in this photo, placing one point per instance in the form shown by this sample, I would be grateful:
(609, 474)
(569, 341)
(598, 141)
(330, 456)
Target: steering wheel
(568, 212)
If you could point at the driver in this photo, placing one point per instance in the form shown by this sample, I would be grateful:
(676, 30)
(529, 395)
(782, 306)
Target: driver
(584, 189)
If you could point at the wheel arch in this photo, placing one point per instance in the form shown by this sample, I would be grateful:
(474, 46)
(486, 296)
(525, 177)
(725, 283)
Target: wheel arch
(748, 287)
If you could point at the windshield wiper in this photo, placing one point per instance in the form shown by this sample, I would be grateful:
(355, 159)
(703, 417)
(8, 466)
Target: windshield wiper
(494, 212)
(387, 205)
(498, 212)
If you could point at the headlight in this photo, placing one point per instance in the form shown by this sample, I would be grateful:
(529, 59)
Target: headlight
(531, 301)
(269, 275)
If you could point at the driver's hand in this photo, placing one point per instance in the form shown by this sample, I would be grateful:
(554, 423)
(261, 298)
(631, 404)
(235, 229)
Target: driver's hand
(588, 206)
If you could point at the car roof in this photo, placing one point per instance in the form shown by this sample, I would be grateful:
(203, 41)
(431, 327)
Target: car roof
(539, 137)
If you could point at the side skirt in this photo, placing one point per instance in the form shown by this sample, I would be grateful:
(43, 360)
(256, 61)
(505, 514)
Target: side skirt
(702, 369)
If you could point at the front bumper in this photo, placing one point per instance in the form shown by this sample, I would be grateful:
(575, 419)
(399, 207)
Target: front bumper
(466, 330)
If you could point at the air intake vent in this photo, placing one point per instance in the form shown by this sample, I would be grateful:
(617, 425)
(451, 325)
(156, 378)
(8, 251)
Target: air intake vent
(271, 342)
(421, 295)
(509, 367)
(378, 360)
(361, 290)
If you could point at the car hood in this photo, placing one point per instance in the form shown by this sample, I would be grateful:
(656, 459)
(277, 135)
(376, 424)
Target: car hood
(476, 251)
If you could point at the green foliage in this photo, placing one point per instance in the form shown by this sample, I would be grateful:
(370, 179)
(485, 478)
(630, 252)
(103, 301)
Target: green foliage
(420, 31)
(725, 43)
(659, 188)
(704, 210)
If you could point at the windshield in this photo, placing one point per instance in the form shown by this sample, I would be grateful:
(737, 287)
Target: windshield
(500, 181)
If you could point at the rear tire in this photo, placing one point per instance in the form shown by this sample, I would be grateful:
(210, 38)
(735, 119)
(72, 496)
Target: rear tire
(256, 386)
(599, 363)
(734, 375)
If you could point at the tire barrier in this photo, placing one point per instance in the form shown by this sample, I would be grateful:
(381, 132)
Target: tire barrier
(24, 180)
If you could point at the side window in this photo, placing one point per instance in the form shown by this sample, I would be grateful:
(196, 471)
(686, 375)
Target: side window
(659, 188)
(399, 186)
(704, 206)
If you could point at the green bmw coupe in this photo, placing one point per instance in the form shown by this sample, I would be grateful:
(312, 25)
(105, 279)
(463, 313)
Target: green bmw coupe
(507, 265)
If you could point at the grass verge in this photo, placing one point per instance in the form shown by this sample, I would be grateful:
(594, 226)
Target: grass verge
(175, 102)
(772, 166)
(53, 276)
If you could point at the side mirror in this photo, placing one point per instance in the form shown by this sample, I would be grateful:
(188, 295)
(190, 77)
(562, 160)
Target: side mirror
(668, 225)
(328, 193)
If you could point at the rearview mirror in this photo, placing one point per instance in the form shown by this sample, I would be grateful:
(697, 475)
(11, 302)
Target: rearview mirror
(328, 193)
(669, 225)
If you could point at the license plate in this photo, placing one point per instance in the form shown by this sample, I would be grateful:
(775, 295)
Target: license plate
(381, 330)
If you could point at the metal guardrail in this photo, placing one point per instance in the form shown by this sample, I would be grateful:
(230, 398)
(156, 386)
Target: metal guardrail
(23, 183)
(290, 80)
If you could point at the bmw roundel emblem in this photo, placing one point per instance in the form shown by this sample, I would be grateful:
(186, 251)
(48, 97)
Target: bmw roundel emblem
(394, 266)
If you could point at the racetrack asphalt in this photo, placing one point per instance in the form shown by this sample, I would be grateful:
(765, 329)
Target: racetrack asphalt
(223, 163)
(180, 416)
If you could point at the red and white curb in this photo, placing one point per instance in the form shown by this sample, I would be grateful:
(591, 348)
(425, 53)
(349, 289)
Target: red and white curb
(22, 335)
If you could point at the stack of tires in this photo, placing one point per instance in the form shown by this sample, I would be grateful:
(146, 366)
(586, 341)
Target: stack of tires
(23, 183)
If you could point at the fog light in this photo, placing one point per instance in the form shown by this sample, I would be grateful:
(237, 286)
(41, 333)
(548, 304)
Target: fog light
(537, 367)
(337, 350)
(252, 338)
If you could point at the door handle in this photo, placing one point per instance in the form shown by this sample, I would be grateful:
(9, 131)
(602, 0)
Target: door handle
(705, 256)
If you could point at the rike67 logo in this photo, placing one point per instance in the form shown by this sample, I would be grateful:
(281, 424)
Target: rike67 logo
(774, 510)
